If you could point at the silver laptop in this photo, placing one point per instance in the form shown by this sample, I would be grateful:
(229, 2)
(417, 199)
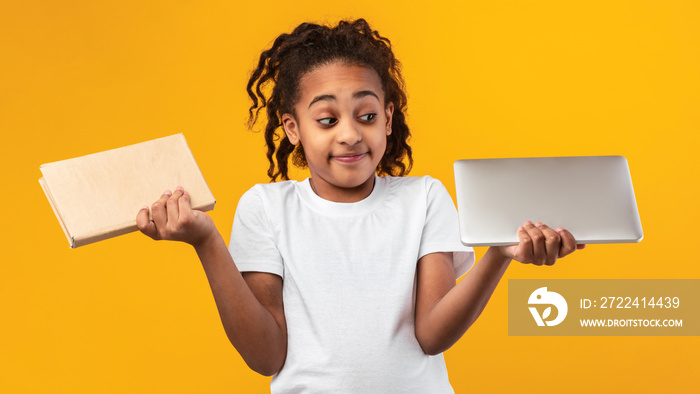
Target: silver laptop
(591, 196)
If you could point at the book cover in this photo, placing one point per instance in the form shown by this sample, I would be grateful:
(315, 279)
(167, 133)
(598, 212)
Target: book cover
(97, 196)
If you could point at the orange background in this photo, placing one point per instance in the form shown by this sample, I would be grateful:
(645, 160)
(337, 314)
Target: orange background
(485, 79)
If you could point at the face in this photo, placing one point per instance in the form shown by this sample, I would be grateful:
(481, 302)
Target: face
(342, 122)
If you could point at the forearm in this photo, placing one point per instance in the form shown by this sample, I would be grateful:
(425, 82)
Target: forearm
(457, 310)
(250, 327)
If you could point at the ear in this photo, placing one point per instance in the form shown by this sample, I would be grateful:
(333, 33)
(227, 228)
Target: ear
(389, 112)
(291, 128)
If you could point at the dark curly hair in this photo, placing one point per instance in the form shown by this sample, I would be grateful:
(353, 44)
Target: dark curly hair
(307, 47)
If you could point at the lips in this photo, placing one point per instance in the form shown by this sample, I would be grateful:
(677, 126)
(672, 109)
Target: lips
(349, 158)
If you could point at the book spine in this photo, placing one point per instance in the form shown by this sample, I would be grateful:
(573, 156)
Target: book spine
(49, 197)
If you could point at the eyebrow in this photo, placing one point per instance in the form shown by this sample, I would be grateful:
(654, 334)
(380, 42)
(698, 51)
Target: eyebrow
(330, 97)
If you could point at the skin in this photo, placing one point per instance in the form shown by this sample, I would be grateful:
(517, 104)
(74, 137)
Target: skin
(342, 121)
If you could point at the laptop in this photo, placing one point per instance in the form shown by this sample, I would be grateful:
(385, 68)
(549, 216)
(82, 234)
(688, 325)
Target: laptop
(591, 196)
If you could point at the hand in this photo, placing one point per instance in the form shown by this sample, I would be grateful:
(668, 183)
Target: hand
(175, 220)
(540, 245)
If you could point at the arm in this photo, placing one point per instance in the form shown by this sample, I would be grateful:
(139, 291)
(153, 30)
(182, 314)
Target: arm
(250, 307)
(444, 311)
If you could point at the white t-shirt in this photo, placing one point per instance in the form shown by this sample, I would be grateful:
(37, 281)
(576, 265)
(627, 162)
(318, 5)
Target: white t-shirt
(349, 272)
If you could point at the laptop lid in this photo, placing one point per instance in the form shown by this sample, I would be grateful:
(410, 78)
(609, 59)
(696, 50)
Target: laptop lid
(591, 196)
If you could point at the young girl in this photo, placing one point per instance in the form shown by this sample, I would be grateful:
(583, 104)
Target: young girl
(344, 282)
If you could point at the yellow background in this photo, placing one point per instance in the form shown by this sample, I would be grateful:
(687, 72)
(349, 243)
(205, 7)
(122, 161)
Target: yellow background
(485, 79)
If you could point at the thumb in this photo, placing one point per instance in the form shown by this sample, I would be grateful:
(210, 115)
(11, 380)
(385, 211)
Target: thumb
(145, 224)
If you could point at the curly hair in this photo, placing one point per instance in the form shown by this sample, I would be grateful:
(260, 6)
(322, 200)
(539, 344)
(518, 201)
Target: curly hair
(307, 47)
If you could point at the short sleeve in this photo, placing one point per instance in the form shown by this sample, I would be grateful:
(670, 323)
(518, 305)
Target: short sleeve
(441, 229)
(253, 245)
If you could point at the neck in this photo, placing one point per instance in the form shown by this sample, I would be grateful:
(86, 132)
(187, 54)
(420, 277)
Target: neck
(343, 195)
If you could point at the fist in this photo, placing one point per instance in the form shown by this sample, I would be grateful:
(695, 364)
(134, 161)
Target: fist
(174, 219)
(540, 245)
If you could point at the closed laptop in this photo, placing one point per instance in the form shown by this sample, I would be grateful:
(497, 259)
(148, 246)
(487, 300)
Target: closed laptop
(591, 196)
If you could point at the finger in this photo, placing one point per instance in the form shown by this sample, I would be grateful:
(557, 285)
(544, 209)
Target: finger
(144, 224)
(158, 212)
(580, 246)
(538, 247)
(524, 251)
(568, 243)
(185, 205)
(552, 243)
(173, 208)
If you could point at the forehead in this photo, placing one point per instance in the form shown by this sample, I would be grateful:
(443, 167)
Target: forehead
(338, 78)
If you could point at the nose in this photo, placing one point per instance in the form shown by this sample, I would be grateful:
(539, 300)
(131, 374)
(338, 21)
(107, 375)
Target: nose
(348, 133)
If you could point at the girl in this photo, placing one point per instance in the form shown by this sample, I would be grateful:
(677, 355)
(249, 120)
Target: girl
(344, 282)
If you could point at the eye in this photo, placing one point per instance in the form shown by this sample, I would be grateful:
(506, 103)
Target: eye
(327, 121)
(368, 117)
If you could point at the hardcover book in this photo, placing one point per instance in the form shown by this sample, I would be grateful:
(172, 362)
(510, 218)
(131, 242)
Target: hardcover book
(97, 196)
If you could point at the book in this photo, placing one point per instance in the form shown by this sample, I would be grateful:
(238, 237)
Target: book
(97, 196)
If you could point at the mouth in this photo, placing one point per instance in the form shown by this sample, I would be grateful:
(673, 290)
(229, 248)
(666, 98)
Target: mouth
(350, 157)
